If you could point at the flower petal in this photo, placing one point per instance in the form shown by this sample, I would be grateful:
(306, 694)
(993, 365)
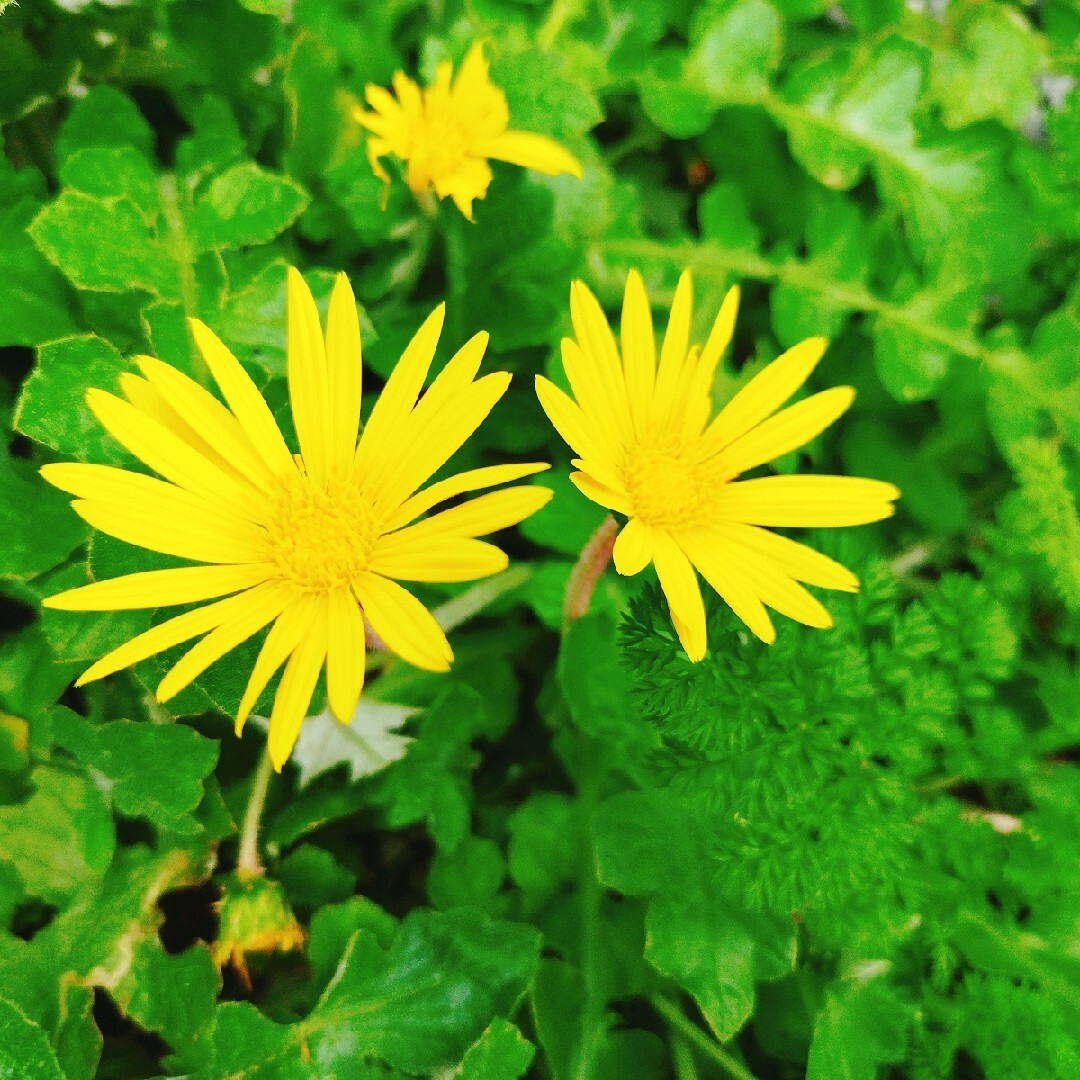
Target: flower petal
(346, 655)
(729, 583)
(309, 392)
(293, 698)
(159, 588)
(164, 636)
(291, 627)
(344, 372)
(243, 398)
(486, 514)
(807, 501)
(787, 430)
(407, 627)
(680, 585)
(530, 151)
(435, 558)
(796, 560)
(262, 604)
(638, 342)
(766, 392)
(473, 480)
(699, 396)
(673, 351)
(600, 493)
(633, 549)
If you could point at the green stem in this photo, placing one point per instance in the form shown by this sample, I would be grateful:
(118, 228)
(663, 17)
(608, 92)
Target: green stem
(697, 1038)
(562, 12)
(682, 1058)
(248, 863)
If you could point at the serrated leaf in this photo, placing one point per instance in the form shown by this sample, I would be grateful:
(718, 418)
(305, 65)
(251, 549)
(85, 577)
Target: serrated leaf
(501, 1053)
(152, 771)
(25, 1052)
(416, 1006)
(52, 407)
(365, 745)
(246, 205)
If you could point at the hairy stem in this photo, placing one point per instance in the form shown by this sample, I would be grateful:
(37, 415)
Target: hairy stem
(248, 863)
(586, 573)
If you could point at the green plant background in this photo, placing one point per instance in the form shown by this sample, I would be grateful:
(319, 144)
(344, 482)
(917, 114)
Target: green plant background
(853, 854)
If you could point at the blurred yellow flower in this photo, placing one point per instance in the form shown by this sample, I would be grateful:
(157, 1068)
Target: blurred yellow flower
(447, 132)
(647, 449)
(311, 543)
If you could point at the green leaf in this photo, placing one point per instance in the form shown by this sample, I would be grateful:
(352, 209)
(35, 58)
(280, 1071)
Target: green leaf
(52, 407)
(25, 1052)
(152, 771)
(246, 205)
(61, 839)
(501, 1053)
(416, 1006)
(104, 244)
(105, 116)
(567, 522)
(862, 1027)
(38, 528)
(365, 745)
(35, 303)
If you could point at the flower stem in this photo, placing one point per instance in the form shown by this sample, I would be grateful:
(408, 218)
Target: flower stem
(697, 1038)
(586, 573)
(248, 863)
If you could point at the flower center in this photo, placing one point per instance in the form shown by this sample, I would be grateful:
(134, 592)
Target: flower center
(670, 486)
(440, 143)
(320, 540)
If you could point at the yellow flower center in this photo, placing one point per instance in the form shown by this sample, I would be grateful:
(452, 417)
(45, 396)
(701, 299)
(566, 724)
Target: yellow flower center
(669, 484)
(320, 540)
(439, 145)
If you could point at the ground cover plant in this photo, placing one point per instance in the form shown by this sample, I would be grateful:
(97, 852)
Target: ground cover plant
(304, 312)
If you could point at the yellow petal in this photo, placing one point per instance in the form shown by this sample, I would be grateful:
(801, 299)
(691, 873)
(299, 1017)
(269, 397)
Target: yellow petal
(606, 415)
(602, 494)
(778, 590)
(309, 391)
(436, 558)
(806, 501)
(374, 455)
(167, 454)
(599, 355)
(680, 585)
(794, 559)
(473, 480)
(159, 588)
(469, 181)
(674, 350)
(243, 398)
(766, 392)
(344, 371)
(164, 636)
(531, 152)
(346, 655)
(403, 623)
(787, 430)
(207, 416)
(293, 698)
(485, 514)
(568, 419)
(292, 626)
(261, 605)
(633, 549)
(638, 350)
(700, 399)
(729, 583)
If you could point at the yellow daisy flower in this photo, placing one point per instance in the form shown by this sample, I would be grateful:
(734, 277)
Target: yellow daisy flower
(447, 133)
(312, 543)
(648, 449)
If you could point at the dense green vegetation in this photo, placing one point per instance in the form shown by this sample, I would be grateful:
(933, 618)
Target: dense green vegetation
(851, 854)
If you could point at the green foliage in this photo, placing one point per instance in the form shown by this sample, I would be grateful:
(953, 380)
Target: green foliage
(848, 855)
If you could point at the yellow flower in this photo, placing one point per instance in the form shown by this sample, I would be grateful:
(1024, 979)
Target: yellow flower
(447, 132)
(648, 449)
(311, 543)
